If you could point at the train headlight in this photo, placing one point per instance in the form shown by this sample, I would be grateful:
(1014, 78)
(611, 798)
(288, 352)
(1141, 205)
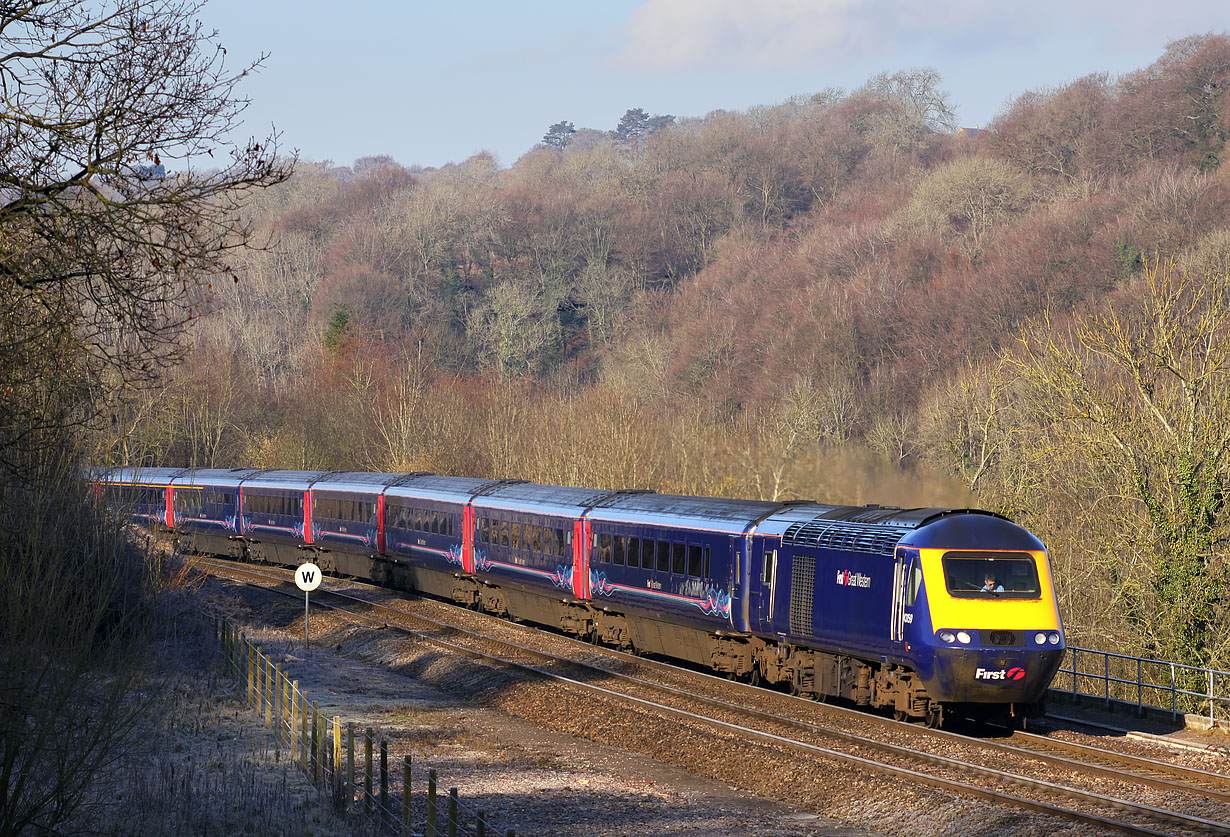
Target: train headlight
(1040, 638)
(963, 637)
(1054, 639)
(948, 636)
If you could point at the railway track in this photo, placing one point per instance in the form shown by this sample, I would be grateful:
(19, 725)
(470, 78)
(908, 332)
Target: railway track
(1045, 769)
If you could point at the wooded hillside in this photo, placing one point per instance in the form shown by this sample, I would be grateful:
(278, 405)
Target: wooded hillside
(839, 297)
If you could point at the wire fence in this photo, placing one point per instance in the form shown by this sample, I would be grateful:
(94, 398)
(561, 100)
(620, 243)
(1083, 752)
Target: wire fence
(351, 766)
(1145, 683)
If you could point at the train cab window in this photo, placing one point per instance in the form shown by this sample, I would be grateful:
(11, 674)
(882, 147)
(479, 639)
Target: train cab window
(664, 557)
(678, 558)
(694, 560)
(1000, 575)
(916, 577)
(770, 560)
(619, 546)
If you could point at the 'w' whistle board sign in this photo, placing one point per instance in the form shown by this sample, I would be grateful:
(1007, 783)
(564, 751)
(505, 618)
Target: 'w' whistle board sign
(307, 577)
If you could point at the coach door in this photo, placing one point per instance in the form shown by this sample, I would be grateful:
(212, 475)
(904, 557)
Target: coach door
(903, 570)
(762, 574)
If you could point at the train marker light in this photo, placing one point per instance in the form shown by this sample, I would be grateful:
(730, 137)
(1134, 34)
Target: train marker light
(1040, 638)
(947, 636)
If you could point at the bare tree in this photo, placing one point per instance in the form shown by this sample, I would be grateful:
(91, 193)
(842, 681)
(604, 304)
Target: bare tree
(119, 191)
(111, 233)
(1135, 405)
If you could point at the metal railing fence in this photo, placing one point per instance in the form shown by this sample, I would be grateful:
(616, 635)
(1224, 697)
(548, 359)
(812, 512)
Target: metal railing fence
(1146, 683)
(353, 767)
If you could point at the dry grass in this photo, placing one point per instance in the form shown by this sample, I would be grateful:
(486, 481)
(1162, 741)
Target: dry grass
(202, 762)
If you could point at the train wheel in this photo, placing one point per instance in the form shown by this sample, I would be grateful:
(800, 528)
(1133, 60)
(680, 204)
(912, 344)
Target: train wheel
(935, 717)
(754, 678)
(901, 715)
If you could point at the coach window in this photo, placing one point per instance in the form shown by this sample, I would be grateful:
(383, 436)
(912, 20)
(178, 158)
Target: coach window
(664, 557)
(503, 533)
(678, 559)
(634, 552)
(694, 561)
(604, 549)
(619, 546)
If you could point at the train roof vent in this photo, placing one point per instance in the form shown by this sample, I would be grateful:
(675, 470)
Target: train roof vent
(880, 540)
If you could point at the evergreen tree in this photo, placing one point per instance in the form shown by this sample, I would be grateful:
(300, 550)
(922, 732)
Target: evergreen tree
(559, 135)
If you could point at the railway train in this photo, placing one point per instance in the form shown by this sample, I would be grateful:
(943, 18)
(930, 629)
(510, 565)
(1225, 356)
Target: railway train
(926, 613)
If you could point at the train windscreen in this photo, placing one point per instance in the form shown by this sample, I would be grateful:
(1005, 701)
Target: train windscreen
(998, 575)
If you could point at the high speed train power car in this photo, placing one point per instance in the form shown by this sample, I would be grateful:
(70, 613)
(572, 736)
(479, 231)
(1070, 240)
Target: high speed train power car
(922, 612)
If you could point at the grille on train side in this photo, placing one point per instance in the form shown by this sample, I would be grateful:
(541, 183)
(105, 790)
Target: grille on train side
(802, 594)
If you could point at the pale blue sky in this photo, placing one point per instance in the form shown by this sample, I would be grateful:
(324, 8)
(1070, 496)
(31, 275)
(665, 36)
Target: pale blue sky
(430, 83)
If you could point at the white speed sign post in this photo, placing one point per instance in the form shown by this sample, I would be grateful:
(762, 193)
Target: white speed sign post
(307, 579)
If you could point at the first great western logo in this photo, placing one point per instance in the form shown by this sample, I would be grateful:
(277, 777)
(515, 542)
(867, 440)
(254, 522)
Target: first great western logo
(845, 578)
(1014, 673)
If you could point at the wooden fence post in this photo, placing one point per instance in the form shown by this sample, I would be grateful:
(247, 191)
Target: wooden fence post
(405, 797)
(350, 760)
(452, 812)
(384, 779)
(305, 746)
(431, 803)
(314, 772)
(367, 772)
(292, 740)
(337, 746)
